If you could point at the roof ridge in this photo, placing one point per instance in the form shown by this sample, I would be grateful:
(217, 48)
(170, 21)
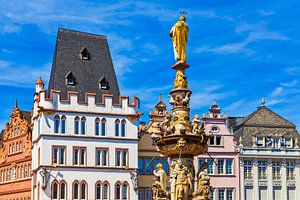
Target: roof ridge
(82, 32)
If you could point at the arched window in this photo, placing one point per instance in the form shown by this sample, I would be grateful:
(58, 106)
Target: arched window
(118, 191)
(13, 148)
(17, 147)
(83, 191)
(117, 127)
(103, 127)
(125, 191)
(75, 190)
(123, 128)
(98, 191)
(97, 126)
(56, 123)
(83, 125)
(54, 190)
(63, 191)
(63, 124)
(76, 125)
(105, 191)
(21, 147)
(103, 84)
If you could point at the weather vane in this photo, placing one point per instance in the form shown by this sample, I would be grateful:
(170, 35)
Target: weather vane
(183, 12)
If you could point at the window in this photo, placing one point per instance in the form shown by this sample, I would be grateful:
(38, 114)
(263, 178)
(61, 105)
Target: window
(79, 156)
(228, 166)
(212, 191)
(56, 124)
(101, 157)
(221, 194)
(98, 191)
(290, 167)
(58, 155)
(214, 129)
(248, 169)
(121, 157)
(147, 164)
(55, 190)
(83, 125)
(276, 170)
(123, 128)
(118, 191)
(59, 190)
(97, 123)
(103, 84)
(70, 79)
(63, 124)
(83, 191)
(218, 140)
(260, 141)
(210, 168)
(75, 190)
(76, 125)
(220, 166)
(229, 194)
(117, 124)
(262, 169)
(103, 127)
(105, 191)
(84, 54)
(63, 191)
(125, 191)
(215, 140)
(288, 141)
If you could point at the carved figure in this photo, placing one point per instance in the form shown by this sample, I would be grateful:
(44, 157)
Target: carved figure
(203, 189)
(166, 124)
(161, 174)
(43, 174)
(182, 183)
(186, 99)
(180, 79)
(134, 178)
(179, 35)
(197, 125)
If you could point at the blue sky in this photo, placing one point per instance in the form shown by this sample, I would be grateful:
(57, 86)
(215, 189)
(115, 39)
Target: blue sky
(238, 50)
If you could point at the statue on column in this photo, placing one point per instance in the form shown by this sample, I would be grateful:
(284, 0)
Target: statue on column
(203, 186)
(159, 186)
(179, 35)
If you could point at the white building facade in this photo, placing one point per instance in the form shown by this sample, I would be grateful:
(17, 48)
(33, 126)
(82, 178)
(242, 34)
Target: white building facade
(84, 147)
(269, 157)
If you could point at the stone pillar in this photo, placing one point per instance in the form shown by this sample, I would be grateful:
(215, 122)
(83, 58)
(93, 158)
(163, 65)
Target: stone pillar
(283, 180)
(242, 180)
(270, 180)
(297, 178)
(255, 180)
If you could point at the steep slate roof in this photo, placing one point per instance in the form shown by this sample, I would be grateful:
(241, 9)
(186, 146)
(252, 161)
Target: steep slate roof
(262, 121)
(27, 115)
(88, 73)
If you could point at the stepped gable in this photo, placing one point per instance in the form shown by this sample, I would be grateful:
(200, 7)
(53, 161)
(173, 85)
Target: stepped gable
(82, 63)
(264, 121)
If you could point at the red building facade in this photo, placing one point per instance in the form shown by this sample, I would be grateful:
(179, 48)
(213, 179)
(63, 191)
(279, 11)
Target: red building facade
(15, 157)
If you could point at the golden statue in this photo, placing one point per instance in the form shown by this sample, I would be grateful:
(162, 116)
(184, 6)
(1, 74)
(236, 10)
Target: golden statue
(179, 35)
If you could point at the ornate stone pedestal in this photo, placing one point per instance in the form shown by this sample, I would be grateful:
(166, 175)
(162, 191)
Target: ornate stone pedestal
(181, 139)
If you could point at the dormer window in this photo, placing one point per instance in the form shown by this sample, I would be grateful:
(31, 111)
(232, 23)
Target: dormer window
(84, 54)
(214, 129)
(70, 79)
(260, 141)
(103, 84)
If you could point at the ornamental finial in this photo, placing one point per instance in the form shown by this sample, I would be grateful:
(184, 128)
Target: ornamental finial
(263, 102)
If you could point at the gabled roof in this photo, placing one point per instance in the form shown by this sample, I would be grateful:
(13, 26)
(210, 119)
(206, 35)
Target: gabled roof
(27, 115)
(265, 117)
(87, 72)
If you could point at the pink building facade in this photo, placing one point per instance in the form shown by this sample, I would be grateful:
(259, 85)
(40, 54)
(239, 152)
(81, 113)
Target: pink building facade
(222, 157)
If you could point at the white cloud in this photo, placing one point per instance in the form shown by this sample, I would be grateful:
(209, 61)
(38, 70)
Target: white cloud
(293, 70)
(290, 84)
(255, 32)
(22, 75)
(266, 13)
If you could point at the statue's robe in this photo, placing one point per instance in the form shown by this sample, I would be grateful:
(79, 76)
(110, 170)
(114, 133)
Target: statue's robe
(179, 34)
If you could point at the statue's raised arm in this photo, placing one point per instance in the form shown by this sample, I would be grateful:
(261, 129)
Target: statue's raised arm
(179, 35)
